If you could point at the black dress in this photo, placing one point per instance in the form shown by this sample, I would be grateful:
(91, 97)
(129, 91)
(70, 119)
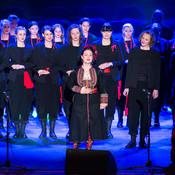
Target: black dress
(20, 94)
(71, 56)
(111, 75)
(47, 86)
(87, 119)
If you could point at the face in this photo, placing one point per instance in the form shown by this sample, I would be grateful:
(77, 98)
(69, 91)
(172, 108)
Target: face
(57, 32)
(85, 26)
(21, 35)
(87, 56)
(48, 36)
(14, 23)
(107, 34)
(127, 32)
(75, 34)
(34, 29)
(145, 40)
(158, 18)
(6, 29)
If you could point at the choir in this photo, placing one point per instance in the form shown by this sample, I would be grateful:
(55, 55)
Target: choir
(86, 76)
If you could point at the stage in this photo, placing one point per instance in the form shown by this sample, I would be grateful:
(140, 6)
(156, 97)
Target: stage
(46, 156)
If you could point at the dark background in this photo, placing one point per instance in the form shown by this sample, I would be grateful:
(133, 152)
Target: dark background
(118, 12)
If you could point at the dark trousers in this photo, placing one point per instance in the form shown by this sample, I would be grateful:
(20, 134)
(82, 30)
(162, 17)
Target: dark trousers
(111, 88)
(138, 104)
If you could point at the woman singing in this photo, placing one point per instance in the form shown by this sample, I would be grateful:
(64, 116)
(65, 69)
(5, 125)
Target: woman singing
(87, 122)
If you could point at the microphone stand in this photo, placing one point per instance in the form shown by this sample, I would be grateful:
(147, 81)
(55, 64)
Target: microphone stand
(149, 162)
(8, 162)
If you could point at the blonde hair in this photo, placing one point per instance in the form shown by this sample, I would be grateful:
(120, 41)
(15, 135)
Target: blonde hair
(129, 25)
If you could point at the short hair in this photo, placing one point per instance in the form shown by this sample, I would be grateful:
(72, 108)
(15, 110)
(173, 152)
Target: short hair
(157, 11)
(5, 21)
(151, 33)
(129, 25)
(12, 16)
(32, 23)
(106, 27)
(20, 28)
(85, 19)
(47, 27)
(69, 38)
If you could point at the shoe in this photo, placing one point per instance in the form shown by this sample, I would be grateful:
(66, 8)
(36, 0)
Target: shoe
(89, 145)
(23, 134)
(143, 145)
(52, 130)
(156, 124)
(43, 132)
(119, 125)
(67, 135)
(131, 144)
(110, 136)
(76, 145)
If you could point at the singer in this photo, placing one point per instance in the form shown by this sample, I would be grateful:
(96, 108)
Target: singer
(142, 76)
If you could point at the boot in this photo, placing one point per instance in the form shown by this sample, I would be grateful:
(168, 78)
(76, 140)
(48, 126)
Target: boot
(142, 143)
(156, 120)
(11, 126)
(1, 136)
(132, 142)
(120, 120)
(1, 123)
(17, 131)
(52, 128)
(109, 123)
(23, 134)
(43, 132)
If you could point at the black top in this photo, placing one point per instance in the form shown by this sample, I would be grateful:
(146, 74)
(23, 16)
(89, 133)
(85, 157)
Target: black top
(144, 63)
(71, 56)
(109, 54)
(134, 63)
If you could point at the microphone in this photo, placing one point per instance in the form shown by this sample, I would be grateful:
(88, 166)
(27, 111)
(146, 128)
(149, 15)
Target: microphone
(146, 91)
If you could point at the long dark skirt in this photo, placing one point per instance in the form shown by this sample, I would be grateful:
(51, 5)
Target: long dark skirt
(87, 120)
(20, 100)
(47, 99)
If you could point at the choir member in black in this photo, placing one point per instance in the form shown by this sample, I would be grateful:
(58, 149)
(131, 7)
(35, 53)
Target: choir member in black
(71, 55)
(142, 76)
(108, 61)
(162, 46)
(172, 71)
(58, 37)
(34, 36)
(157, 17)
(47, 65)
(6, 38)
(124, 44)
(2, 87)
(87, 121)
(14, 20)
(85, 24)
(18, 58)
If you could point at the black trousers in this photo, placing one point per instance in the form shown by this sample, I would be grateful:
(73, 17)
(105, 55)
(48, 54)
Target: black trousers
(111, 88)
(138, 104)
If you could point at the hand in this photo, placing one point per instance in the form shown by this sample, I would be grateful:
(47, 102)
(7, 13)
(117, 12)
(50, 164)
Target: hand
(105, 65)
(43, 72)
(126, 92)
(155, 93)
(126, 61)
(18, 66)
(85, 90)
(69, 72)
(103, 105)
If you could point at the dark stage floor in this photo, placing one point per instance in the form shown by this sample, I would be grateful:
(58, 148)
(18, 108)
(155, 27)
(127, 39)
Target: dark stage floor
(47, 156)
